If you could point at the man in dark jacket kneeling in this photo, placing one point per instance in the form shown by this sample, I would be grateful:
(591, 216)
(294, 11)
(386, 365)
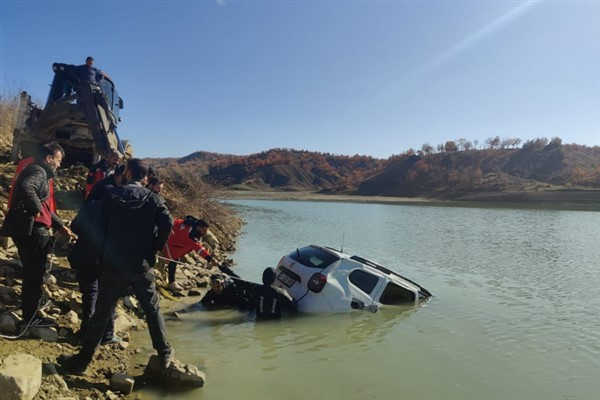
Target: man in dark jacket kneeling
(136, 225)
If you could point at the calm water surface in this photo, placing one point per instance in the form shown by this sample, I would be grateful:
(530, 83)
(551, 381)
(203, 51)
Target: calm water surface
(516, 312)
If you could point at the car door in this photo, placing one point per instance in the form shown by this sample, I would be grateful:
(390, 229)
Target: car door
(364, 286)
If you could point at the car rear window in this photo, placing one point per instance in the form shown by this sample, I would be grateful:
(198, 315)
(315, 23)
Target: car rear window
(313, 257)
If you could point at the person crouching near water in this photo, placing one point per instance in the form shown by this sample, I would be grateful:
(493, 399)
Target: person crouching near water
(184, 238)
(224, 292)
(137, 224)
(269, 300)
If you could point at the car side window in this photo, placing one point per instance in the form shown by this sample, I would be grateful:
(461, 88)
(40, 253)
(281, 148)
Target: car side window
(363, 280)
(394, 294)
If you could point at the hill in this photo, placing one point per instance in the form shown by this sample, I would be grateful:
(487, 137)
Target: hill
(550, 169)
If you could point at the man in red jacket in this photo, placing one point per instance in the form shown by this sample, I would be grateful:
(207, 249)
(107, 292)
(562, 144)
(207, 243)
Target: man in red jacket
(185, 237)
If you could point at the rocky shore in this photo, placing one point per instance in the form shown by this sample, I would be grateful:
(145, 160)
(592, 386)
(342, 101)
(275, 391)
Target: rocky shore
(35, 353)
(28, 364)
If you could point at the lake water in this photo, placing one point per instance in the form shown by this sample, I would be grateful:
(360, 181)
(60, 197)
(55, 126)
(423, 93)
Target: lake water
(516, 312)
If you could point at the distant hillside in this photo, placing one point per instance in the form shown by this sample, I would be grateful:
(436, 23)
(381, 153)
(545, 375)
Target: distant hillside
(538, 165)
(286, 169)
(494, 173)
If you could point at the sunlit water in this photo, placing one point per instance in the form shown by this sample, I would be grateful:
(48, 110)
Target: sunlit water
(516, 312)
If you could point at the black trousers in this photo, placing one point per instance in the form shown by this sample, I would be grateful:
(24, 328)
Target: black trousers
(89, 278)
(33, 251)
(172, 267)
(112, 287)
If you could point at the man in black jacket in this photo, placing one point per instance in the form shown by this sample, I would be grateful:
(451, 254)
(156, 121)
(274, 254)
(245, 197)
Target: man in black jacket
(29, 221)
(137, 224)
(270, 300)
(224, 292)
(86, 255)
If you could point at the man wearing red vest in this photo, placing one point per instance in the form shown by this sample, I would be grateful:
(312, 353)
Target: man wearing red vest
(20, 167)
(28, 220)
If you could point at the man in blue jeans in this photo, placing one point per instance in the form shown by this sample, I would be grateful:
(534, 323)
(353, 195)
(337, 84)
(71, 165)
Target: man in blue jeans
(136, 224)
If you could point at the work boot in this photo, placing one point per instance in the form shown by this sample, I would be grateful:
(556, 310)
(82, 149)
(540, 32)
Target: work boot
(111, 340)
(175, 287)
(73, 365)
(166, 357)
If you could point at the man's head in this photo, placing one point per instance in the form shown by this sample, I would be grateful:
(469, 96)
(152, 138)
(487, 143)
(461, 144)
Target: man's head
(51, 154)
(119, 175)
(268, 276)
(202, 227)
(89, 61)
(217, 283)
(155, 184)
(112, 158)
(135, 170)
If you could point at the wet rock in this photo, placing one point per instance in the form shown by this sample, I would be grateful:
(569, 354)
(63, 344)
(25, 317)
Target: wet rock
(122, 383)
(20, 377)
(177, 375)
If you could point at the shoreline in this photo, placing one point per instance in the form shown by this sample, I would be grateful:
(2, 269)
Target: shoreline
(573, 200)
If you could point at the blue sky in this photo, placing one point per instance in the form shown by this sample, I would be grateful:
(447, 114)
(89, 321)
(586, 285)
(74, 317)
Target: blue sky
(344, 77)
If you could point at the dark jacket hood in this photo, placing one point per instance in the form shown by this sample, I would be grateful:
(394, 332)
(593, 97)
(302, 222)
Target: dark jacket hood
(132, 196)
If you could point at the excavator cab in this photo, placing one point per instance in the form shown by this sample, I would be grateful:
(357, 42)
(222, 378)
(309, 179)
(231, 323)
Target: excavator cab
(81, 117)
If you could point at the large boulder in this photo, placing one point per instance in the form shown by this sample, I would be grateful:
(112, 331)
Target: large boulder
(178, 375)
(20, 377)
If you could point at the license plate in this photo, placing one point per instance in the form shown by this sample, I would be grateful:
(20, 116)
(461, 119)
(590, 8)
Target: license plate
(287, 281)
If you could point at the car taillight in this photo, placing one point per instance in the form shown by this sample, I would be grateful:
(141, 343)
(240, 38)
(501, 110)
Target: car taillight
(317, 282)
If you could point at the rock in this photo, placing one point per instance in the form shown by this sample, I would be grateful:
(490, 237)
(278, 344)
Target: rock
(7, 324)
(131, 303)
(177, 375)
(20, 377)
(50, 279)
(46, 334)
(111, 396)
(194, 292)
(122, 383)
(73, 318)
(124, 323)
(7, 293)
(57, 381)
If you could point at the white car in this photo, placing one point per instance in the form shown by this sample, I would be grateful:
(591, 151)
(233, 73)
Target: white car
(322, 279)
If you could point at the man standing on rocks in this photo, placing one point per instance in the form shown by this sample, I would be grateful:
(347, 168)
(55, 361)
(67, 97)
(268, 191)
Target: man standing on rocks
(28, 221)
(137, 224)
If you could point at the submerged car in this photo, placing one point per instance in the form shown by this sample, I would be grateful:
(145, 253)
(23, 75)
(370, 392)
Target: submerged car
(322, 279)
